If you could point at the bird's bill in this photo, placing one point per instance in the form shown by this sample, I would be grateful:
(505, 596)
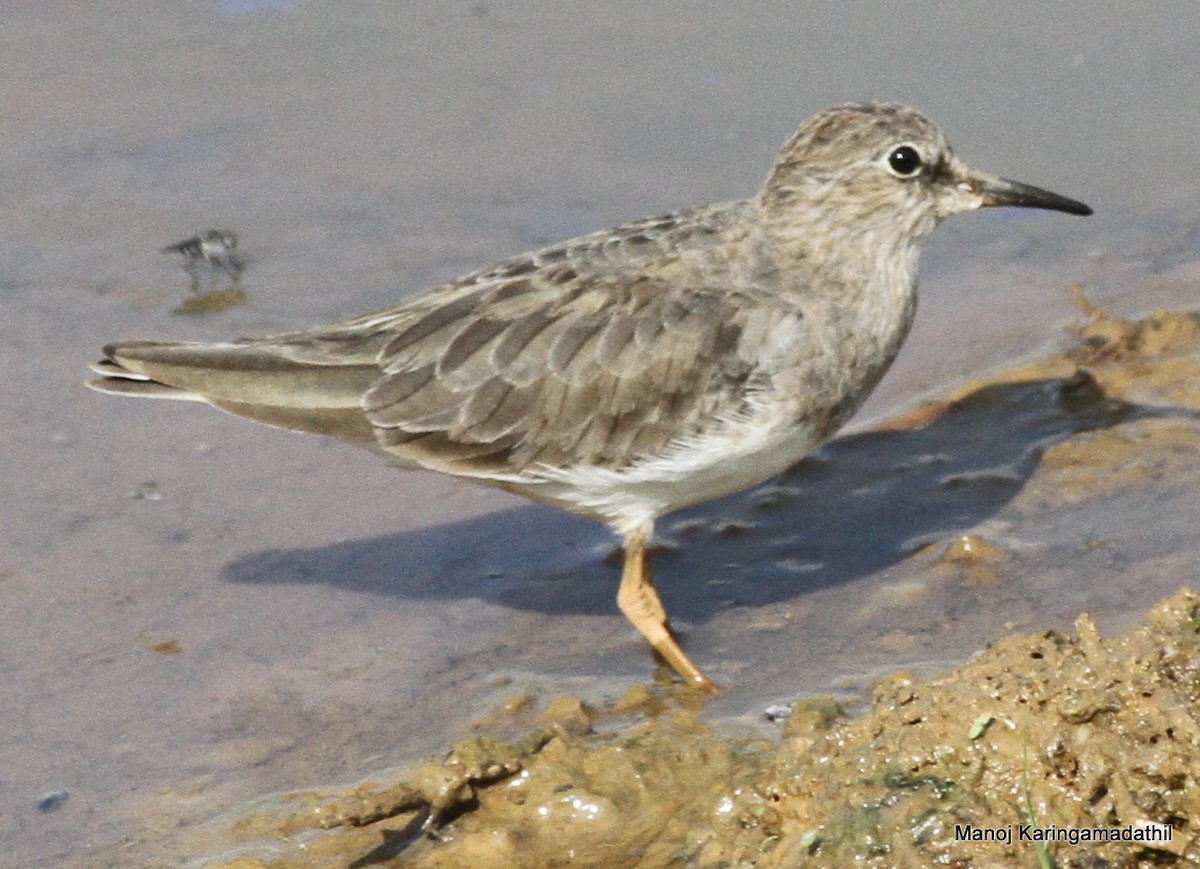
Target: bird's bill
(994, 190)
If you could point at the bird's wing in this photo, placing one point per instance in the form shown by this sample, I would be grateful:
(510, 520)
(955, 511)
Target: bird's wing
(554, 369)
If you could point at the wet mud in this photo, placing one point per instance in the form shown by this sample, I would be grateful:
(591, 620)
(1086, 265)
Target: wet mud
(1045, 734)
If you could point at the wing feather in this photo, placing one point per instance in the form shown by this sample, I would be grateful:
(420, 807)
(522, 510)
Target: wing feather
(591, 373)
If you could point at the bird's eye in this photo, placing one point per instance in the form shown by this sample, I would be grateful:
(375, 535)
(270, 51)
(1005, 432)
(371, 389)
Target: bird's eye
(904, 161)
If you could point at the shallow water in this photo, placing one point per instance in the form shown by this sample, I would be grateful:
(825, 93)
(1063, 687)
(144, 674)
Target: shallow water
(278, 610)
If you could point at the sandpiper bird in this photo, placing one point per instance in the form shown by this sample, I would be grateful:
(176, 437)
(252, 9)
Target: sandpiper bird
(628, 373)
(214, 246)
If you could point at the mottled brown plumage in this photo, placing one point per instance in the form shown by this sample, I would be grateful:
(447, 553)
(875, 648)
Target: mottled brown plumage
(634, 371)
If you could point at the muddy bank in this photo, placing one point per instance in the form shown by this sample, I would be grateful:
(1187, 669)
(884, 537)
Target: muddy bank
(1045, 731)
(1041, 736)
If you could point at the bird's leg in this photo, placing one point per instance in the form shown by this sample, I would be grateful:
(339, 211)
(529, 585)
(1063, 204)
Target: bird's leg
(640, 603)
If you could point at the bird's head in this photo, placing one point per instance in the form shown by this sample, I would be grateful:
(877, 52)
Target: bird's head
(885, 165)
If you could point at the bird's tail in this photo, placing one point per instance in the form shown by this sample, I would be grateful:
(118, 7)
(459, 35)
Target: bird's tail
(267, 382)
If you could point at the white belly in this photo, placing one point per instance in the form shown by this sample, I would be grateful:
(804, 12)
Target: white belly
(738, 457)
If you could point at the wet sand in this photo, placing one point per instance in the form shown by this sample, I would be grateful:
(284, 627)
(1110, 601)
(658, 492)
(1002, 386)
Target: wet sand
(199, 612)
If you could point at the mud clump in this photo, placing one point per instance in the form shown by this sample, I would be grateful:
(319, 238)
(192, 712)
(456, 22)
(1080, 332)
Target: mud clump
(642, 794)
(1044, 735)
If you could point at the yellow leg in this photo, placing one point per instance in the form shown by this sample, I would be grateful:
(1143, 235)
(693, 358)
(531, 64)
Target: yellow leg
(640, 603)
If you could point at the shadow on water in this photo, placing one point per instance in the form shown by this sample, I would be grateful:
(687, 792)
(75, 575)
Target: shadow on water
(858, 505)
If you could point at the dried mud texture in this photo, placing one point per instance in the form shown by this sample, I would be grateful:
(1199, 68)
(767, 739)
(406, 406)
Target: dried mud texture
(1075, 733)
(1045, 730)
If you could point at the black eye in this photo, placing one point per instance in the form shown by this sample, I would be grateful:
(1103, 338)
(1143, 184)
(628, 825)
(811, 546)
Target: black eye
(905, 161)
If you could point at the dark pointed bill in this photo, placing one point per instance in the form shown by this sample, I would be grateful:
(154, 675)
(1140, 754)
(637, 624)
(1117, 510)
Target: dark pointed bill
(1001, 191)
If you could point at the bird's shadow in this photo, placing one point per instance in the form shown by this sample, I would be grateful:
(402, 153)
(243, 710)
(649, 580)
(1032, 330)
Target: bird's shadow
(862, 503)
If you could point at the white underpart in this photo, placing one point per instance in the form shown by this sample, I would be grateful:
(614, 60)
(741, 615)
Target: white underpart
(734, 455)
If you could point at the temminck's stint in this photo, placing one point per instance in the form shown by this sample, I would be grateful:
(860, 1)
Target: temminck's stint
(628, 373)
